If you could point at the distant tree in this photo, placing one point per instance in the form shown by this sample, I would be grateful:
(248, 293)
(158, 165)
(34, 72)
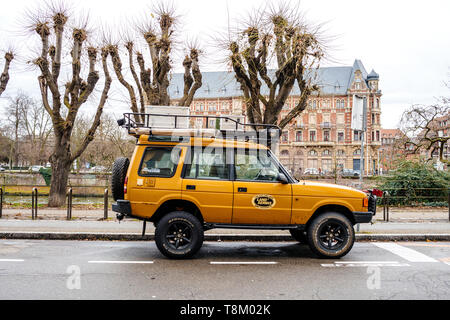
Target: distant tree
(279, 32)
(74, 94)
(427, 129)
(109, 143)
(4, 77)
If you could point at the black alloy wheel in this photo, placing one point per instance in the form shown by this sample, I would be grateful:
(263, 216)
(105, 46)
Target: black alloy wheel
(331, 235)
(179, 235)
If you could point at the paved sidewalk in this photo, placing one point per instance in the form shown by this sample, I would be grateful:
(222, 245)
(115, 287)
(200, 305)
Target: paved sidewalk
(395, 214)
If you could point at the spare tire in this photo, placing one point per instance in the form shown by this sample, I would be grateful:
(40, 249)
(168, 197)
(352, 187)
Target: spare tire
(119, 172)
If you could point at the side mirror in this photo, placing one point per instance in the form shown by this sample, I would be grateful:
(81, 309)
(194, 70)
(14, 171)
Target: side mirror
(282, 178)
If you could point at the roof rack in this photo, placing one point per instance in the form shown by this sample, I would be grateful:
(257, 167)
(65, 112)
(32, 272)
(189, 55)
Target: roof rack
(181, 125)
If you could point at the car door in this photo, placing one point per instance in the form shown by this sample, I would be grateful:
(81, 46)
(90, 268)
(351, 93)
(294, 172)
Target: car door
(206, 182)
(259, 198)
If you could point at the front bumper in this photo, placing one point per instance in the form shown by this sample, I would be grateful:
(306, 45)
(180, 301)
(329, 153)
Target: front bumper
(362, 217)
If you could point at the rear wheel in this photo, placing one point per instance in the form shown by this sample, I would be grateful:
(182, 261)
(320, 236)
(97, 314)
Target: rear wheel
(179, 235)
(331, 235)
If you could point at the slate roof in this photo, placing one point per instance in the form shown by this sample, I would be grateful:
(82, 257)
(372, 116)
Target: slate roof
(223, 84)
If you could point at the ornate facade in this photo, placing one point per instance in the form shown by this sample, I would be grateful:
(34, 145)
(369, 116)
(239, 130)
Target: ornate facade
(321, 137)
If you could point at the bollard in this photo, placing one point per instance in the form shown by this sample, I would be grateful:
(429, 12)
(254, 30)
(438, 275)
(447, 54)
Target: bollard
(448, 205)
(34, 203)
(69, 204)
(1, 202)
(384, 206)
(105, 201)
(387, 206)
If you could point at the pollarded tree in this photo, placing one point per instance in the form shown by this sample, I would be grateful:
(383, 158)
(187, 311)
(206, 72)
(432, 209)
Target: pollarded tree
(152, 83)
(282, 34)
(427, 129)
(4, 77)
(63, 104)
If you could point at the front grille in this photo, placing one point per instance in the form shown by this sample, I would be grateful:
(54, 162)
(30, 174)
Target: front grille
(372, 204)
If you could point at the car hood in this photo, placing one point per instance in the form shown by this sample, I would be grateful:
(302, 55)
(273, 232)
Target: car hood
(319, 189)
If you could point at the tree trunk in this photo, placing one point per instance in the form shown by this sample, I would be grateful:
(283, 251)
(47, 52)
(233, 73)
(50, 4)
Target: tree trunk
(58, 185)
(61, 162)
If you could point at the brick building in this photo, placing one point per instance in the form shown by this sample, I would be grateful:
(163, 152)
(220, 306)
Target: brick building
(391, 148)
(321, 137)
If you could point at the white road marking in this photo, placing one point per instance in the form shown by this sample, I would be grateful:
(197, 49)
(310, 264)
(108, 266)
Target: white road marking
(338, 264)
(121, 262)
(11, 260)
(243, 262)
(406, 253)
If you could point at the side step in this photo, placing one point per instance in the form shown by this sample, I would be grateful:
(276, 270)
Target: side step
(209, 226)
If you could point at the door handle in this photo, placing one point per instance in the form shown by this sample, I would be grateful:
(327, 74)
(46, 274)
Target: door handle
(190, 187)
(242, 189)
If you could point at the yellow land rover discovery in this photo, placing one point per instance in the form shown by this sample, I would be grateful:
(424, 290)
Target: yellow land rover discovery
(187, 181)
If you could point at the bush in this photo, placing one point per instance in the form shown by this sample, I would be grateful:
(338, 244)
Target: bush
(416, 183)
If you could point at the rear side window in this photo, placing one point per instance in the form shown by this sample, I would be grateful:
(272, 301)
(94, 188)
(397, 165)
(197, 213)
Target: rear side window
(159, 162)
(207, 163)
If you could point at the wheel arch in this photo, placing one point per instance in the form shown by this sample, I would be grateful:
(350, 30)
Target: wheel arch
(177, 205)
(332, 208)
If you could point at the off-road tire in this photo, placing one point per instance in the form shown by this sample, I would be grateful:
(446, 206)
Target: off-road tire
(167, 230)
(299, 235)
(119, 172)
(335, 224)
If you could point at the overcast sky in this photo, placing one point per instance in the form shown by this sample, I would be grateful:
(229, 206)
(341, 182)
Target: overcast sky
(406, 42)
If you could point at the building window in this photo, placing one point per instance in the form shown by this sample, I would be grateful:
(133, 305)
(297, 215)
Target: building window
(326, 152)
(341, 153)
(326, 135)
(340, 136)
(284, 137)
(378, 135)
(357, 152)
(299, 136)
(312, 119)
(357, 135)
(312, 135)
(340, 118)
(326, 165)
(285, 153)
(312, 153)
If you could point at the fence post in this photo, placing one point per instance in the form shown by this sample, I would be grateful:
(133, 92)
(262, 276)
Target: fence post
(69, 204)
(1, 202)
(448, 191)
(34, 203)
(105, 201)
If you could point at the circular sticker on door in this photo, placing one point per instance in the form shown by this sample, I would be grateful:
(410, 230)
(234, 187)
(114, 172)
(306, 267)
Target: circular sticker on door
(263, 201)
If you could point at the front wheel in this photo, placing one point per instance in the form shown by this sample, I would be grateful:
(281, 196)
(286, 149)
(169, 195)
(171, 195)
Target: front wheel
(179, 235)
(331, 235)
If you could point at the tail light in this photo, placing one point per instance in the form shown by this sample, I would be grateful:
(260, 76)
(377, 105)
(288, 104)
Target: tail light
(125, 185)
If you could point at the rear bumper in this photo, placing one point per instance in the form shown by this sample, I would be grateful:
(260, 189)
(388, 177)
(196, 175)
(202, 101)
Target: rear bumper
(122, 207)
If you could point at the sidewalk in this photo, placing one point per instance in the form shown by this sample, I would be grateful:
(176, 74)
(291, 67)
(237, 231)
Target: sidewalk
(89, 225)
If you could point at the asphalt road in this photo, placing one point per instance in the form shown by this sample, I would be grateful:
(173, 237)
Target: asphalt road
(39, 269)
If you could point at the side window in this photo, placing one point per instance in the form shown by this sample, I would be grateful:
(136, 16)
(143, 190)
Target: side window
(159, 162)
(255, 165)
(207, 163)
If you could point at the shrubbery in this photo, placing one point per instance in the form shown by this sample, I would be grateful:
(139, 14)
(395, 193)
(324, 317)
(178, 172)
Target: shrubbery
(416, 183)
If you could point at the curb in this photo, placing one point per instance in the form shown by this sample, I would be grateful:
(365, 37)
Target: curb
(208, 237)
